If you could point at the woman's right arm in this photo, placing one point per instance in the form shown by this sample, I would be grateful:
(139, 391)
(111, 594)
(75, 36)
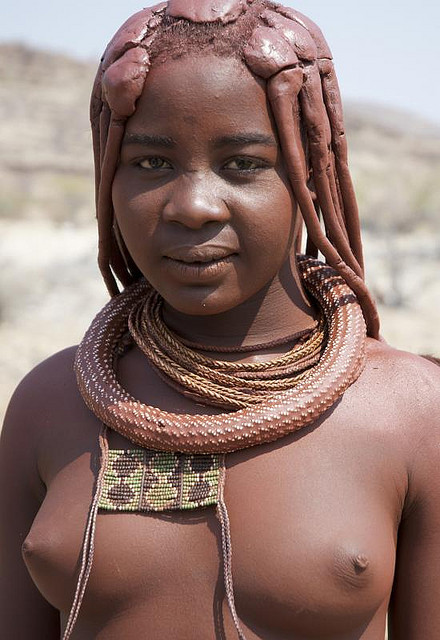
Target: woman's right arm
(24, 613)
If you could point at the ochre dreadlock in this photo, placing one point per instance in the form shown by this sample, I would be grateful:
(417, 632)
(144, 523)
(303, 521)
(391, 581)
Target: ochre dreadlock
(287, 50)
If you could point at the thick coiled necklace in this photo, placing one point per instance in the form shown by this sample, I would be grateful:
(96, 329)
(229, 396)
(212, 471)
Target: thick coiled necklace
(276, 413)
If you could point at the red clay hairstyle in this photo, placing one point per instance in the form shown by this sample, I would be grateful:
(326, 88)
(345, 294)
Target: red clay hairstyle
(289, 52)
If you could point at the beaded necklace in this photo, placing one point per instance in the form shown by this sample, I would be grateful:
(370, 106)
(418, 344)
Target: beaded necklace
(181, 462)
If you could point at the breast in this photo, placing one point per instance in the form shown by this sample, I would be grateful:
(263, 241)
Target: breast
(313, 548)
(316, 543)
(331, 579)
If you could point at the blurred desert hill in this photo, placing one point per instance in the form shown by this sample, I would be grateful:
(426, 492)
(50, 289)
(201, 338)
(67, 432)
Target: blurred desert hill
(50, 287)
(45, 153)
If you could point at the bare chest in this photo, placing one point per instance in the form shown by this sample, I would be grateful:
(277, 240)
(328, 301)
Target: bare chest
(313, 527)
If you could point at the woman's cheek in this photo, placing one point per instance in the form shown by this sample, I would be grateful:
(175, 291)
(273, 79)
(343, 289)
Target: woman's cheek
(137, 216)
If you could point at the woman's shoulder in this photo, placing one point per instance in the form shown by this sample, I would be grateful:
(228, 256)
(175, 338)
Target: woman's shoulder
(47, 419)
(33, 420)
(402, 367)
(47, 383)
(45, 399)
(406, 386)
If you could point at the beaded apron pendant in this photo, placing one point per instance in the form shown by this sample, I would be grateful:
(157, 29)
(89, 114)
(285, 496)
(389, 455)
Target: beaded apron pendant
(145, 480)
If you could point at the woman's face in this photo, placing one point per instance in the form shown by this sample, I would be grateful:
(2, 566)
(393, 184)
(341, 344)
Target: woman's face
(200, 194)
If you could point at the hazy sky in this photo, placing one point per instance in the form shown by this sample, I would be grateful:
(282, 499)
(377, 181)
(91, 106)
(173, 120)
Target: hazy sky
(385, 51)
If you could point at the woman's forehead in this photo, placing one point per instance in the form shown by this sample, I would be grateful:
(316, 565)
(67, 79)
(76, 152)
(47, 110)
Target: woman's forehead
(195, 87)
(204, 72)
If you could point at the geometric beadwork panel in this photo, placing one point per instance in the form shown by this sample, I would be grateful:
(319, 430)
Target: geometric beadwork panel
(145, 480)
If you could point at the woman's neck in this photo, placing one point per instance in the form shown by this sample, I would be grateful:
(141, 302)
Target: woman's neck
(279, 310)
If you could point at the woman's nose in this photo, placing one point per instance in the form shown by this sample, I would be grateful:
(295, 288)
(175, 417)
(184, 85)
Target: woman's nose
(194, 201)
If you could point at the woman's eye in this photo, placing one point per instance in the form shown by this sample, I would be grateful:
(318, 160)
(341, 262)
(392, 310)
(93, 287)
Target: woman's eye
(154, 163)
(244, 164)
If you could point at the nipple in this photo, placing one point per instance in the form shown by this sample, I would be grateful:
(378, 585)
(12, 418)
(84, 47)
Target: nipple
(361, 563)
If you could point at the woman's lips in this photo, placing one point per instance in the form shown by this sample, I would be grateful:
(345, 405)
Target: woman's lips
(201, 253)
(197, 264)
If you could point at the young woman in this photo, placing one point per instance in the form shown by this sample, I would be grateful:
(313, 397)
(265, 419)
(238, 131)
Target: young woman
(231, 451)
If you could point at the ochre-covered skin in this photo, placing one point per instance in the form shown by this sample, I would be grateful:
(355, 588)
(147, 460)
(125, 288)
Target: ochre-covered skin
(331, 525)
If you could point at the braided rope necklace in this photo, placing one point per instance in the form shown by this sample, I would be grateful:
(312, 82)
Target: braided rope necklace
(229, 385)
(282, 412)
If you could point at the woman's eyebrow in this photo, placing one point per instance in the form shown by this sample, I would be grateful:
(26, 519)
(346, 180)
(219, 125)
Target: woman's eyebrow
(243, 139)
(149, 140)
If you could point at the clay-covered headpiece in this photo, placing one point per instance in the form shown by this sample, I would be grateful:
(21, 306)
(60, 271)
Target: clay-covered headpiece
(199, 11)
(288, 51)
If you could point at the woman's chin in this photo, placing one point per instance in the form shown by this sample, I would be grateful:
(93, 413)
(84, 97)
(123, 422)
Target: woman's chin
(199, 306)
(202, 301)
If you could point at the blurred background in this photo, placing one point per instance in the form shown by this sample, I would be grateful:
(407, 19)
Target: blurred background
(386, 58)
